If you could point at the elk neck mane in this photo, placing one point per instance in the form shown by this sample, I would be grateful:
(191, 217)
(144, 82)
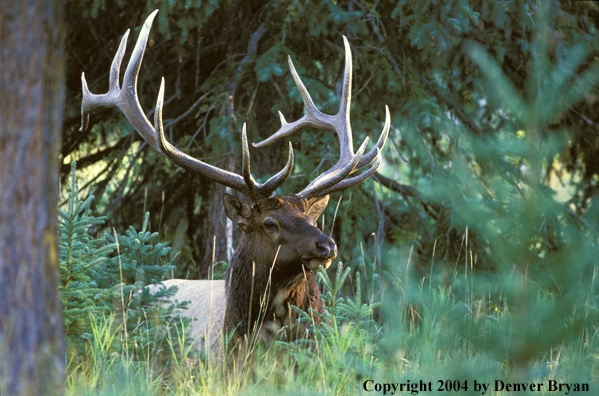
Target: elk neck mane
(250, 277)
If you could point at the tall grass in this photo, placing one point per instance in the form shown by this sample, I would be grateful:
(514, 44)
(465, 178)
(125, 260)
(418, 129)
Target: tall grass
(513, 302)
(445, 329)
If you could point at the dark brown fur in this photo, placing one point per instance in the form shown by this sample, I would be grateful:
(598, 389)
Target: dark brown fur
(259, 293)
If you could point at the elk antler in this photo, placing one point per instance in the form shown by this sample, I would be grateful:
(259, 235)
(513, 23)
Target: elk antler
(126, 100)
(332, 180)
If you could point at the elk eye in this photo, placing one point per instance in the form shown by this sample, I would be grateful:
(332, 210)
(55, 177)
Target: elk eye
(270, 225)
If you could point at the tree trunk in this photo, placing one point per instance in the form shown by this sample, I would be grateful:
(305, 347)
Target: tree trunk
(32, 351)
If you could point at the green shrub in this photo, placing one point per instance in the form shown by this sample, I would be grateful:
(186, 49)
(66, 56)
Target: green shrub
(105, 279)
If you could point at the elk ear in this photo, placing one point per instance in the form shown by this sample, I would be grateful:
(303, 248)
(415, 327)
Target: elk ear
(317, 206)
(238, 212)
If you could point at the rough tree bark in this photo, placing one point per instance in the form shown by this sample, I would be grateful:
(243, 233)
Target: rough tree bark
(32, 351)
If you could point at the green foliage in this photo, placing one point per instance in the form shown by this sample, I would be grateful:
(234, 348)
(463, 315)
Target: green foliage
(343, 311)
(268, 66)
(344, 339)
(97, 284)
(81, 256)
(484, 263)
(411, 55)
(505, 212)
(138, 259)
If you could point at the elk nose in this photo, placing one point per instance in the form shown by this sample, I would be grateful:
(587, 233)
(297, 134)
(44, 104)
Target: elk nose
(326, 248)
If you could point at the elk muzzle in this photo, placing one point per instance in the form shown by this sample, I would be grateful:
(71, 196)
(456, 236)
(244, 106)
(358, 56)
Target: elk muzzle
(326, 251)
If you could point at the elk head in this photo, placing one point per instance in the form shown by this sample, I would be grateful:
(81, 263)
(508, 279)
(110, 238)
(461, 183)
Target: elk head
(274, 227)
(283, 232)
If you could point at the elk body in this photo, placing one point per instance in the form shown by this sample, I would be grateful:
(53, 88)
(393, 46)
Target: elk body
(280, 246)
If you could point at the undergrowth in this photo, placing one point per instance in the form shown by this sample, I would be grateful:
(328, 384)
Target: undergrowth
(452, 325)
(515, 302)
(107, 306)
(432, 333)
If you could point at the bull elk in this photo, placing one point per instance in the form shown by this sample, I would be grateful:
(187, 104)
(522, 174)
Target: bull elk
(280, 246)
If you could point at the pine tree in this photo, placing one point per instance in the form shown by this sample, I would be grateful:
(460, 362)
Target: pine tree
(82, 258)
(96, 283)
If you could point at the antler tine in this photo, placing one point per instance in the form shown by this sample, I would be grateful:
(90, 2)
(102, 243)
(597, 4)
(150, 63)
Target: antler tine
(378, 147)
(345, 184)
(328, 180)
(126, 100)
(312, 118)
(91, 101)
(221, 176)
(263, 189)
(340, 123)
